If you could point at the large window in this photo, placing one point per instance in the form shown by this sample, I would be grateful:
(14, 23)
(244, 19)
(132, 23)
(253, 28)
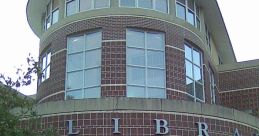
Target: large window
(212, 87)
(75, 6)
(45, 66)
(51, 14)
(208, 37)
(194, 76)
(84, 66)
(189, 11)
(159, 5)
(145, 64)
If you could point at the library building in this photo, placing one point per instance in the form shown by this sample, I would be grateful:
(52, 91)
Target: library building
(141, 68)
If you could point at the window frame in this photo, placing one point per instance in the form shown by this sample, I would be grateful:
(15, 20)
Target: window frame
(84, 68)
(212, 86)
(153, 6)
(194, 96)
(50, 15)
(78, 6)
(145, 66)
(195, 13)
(47, 66)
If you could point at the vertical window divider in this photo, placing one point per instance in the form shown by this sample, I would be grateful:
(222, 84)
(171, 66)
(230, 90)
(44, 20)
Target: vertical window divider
(84, 54)
(146, 69)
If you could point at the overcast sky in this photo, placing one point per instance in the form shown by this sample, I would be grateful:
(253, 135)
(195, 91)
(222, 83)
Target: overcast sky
(18, 40)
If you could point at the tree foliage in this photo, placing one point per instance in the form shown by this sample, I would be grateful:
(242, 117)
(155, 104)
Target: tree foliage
(11, 99)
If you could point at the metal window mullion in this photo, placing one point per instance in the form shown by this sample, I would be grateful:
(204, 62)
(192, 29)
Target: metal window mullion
(194, 89)
(145, 38)
(154, 4)
(92, 4)
(84, 63)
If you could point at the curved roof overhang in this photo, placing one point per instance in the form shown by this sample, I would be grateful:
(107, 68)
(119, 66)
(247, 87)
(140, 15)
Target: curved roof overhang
(214, 20)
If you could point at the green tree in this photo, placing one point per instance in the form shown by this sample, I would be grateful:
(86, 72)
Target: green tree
(11, 99)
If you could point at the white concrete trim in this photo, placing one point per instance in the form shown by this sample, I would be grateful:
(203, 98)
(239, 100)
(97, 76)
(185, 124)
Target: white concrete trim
(50, 96)
(243, 89)
(170, 89)
(122, 40)
(238, 69)
(104, 85)
(169, 46)
(159, 112)
(65, 49)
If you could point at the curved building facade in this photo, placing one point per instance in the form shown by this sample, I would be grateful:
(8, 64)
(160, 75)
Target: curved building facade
(141, 67)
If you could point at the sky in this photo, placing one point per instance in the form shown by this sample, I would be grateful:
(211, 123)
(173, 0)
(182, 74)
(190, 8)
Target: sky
(18, 40)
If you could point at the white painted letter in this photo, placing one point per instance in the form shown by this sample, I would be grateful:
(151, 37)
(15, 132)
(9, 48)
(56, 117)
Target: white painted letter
(236, 132)
(70, 128)
(116, 126)
(202, 129)
(161, 124)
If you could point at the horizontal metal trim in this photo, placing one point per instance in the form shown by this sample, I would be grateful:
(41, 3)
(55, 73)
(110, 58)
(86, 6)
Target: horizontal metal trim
(50, 96)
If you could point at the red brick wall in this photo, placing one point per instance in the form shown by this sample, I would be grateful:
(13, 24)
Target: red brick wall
(240, 89)
(140, 124)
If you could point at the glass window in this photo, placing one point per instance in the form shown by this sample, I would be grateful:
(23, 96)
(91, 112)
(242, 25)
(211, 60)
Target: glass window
(128, 3)
(45, 66)
(212, 87)
(77, 94)
(145, 4)
(180, 11)
(145, 64)
(55, 15)
(194, 78)
(71, 7)
(85, 5)
(189, 11)
(161, 5)
(84, 65)
(190, 17)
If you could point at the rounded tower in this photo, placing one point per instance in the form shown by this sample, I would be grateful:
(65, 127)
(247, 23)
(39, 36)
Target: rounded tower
(134, 67)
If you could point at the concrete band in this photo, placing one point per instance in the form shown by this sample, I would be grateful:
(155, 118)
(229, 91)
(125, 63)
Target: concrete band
(147, 105)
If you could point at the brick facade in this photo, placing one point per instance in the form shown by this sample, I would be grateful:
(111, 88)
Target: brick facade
(114, 55)
(141, 124)
(239, 89)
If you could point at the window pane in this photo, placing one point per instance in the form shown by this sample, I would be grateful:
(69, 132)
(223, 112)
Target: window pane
(85, 5)
(198, 23)
(48, 22)
(75, 80)
(156, 93)
(133, 91)
(93, 58)
(188, 53)
(55, 16)
(197, 74)
(196, 58)
(44, 62)
(75, 62)
(155, 59)
(71, 7)
(136, 76)
(94, 41)
(127, 3)
(190, 86)
(135, 57)
(199, 91)
(161, 5)
(145, 3)
(74, 95)
(188, 69)
(55, 4)
(155, 41)
(101, 3)
(135, 39)
(76, 44)
(190, 17)
(93, 92)
(155, 78)
(92, 77)
(180, 11)
(47, 72)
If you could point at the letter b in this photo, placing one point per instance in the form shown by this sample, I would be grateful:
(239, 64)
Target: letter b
(161, 124)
